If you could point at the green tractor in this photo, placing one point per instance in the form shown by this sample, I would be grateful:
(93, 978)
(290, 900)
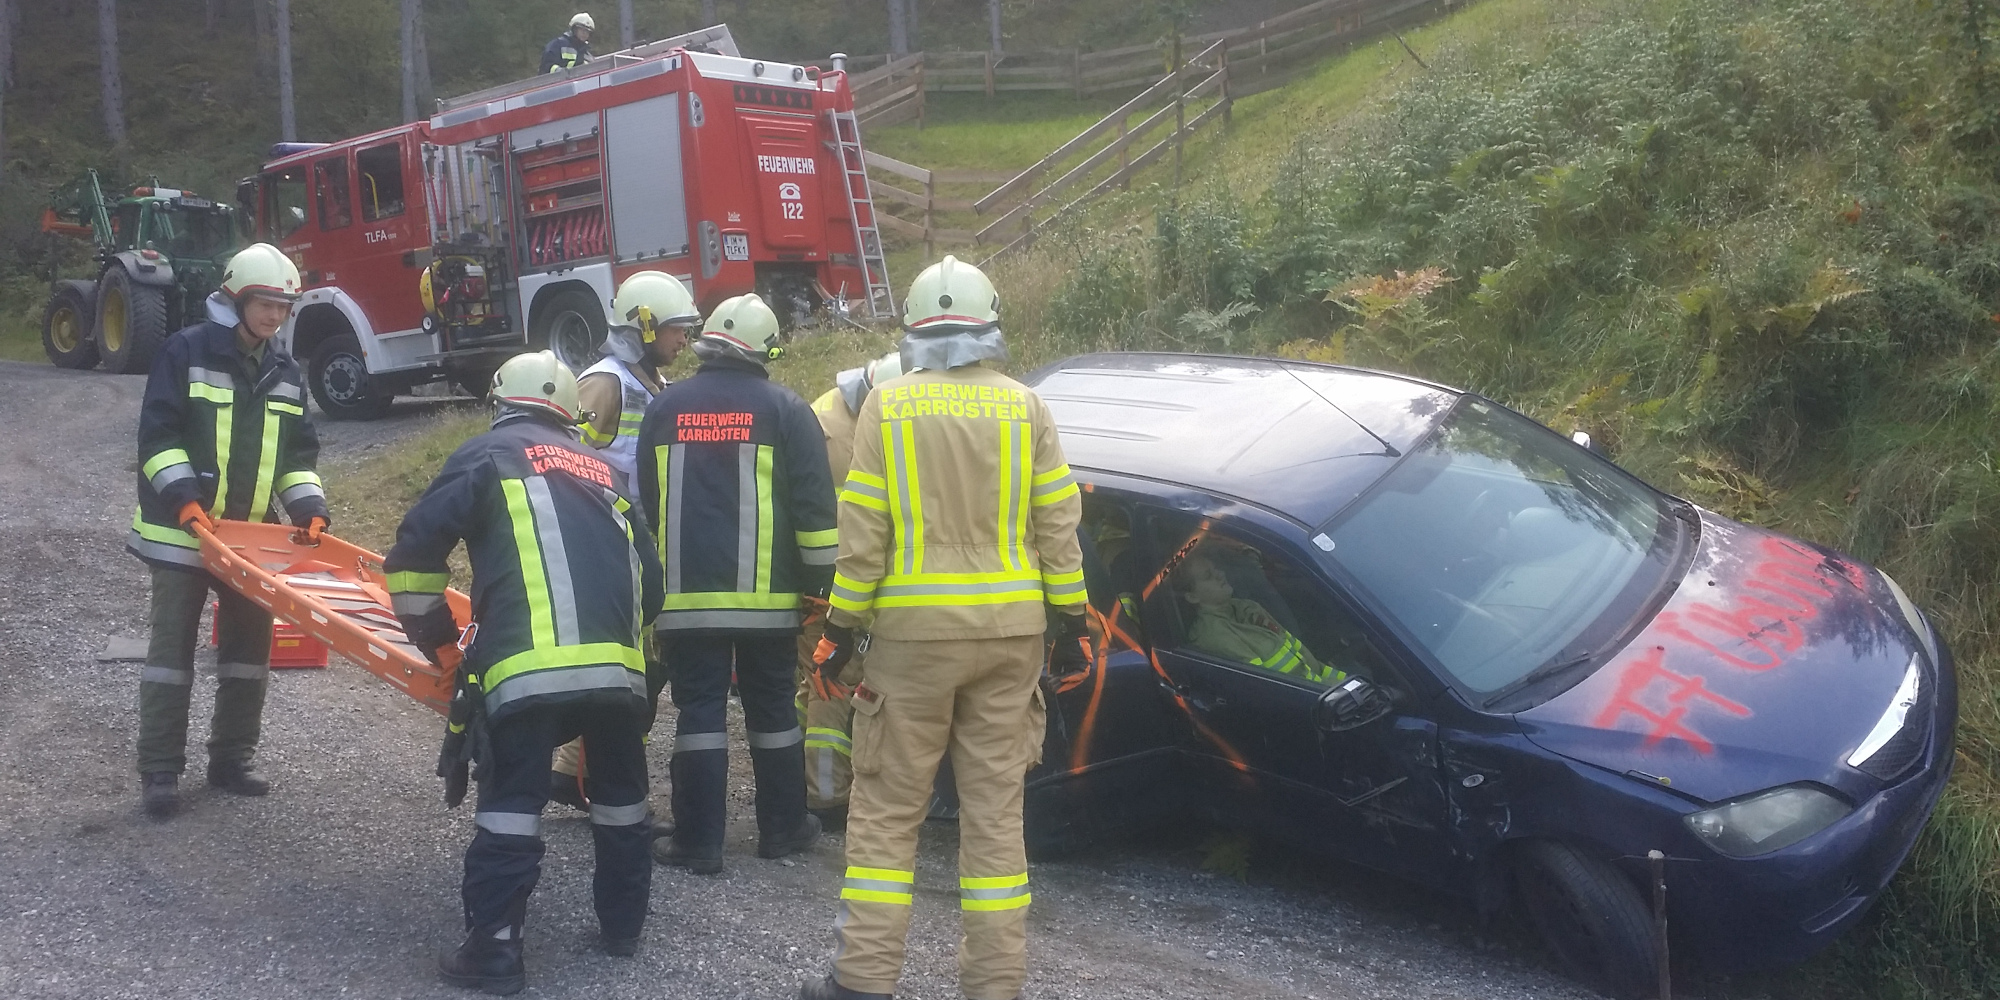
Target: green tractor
(158, 253)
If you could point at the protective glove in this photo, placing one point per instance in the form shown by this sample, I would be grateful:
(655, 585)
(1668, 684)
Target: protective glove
(309, 535)
(835, 648)
(191, 514)
(1071, 652)
(454, 757)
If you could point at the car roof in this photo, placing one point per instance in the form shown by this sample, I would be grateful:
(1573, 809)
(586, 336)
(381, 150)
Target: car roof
(1300, 438)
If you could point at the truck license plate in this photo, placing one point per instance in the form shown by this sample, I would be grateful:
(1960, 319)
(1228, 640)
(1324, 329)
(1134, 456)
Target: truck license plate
(735, 246)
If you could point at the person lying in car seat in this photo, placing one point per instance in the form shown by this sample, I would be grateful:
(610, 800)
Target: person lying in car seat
(1239, 629)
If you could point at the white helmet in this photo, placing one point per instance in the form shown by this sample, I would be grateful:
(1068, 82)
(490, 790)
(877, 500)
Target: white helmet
(649, 300)
(882, 369)
(538, 381)
(583, 21)
(742, 326)
(951, 296)
(263, 270)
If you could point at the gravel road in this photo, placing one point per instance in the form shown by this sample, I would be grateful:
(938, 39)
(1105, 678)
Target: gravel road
(345, 880)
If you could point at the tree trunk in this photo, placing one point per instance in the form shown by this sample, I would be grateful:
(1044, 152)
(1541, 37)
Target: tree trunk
(426, 93)
(288, 119)
(113, 92)
(209, 14)
(899, 29)
(260, 23)
(7, 8)
(910, 25)
(409, 60)
(624, 24)
(708, 17)
(993, 17)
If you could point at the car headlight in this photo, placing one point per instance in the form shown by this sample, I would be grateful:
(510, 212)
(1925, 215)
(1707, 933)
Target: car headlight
(1767, 821)
(1914, 617)
(1893, 717)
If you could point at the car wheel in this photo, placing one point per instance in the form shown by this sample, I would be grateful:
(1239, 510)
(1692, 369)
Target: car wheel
(572, 325)
(131, 321)
(66, 325)
(341, 384)
(1590, 917)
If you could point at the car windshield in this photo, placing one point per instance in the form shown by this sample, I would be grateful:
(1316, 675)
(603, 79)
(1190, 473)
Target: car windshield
(198, 232)
(1506, 552)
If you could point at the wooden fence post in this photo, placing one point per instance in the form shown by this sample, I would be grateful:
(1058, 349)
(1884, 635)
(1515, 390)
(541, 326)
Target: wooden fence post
(930, 204)
(1222, 67)
(920, 94)
(1180, 108)
(1076, 72)
(989, 74)
(1124, 158)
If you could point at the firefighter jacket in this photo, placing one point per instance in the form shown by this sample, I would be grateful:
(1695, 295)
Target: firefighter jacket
(564, 52)
(221, 429)
(733, 471)
(1243, 631)
(836, 424)
(563, 576)
(959, 517)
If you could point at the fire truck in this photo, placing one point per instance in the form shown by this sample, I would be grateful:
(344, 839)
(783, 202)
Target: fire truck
(436, 250)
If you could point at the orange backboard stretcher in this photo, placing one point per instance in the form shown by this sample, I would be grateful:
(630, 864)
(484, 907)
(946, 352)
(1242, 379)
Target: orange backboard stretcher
(334, 592)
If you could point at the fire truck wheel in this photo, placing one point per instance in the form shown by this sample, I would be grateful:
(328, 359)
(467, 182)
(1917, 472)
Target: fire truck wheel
(572, 325)
(66, 323)
(340, 382)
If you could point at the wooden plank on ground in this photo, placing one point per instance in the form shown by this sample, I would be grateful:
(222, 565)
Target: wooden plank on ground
(895, 166)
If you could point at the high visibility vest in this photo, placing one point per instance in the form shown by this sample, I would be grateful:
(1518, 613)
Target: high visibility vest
(621, 449)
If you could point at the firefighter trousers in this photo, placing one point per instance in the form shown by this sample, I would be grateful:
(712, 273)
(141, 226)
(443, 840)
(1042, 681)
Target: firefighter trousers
(505, 859)
(828, 723)
(701, 667)
(569, 757)
(978, 700)
(166, 683)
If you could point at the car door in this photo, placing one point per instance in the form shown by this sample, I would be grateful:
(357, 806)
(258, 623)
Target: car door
(1252, 671)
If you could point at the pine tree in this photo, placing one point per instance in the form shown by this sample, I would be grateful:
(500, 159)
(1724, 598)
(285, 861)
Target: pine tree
(111, 90)
(288, 119)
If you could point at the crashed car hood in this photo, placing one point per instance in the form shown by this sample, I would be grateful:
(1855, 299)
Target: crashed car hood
(1767, 666)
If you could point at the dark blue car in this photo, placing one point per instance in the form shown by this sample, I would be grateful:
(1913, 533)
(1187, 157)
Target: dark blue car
(1407, 627)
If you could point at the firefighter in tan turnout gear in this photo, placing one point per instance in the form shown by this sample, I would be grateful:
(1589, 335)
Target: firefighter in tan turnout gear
(655, 313)
(958, 525)
(823, 705)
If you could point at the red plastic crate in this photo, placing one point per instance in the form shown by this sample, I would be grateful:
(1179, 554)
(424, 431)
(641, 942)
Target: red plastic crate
(538, 176)
(579, 169)
(291, 649)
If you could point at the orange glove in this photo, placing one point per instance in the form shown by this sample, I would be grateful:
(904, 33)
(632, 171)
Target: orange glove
(309, 535)
(192, 514)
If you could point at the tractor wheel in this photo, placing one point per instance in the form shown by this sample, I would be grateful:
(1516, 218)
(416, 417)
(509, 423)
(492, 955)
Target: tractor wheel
(341, 384)
(572, 325)
(1590, 918)
(131, 322)
(66, 323)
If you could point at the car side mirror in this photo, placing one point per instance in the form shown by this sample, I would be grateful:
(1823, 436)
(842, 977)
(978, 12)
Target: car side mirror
(1583, 440)
(1351, 704)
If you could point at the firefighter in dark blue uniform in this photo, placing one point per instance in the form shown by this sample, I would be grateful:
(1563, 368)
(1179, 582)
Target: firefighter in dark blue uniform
(571, 48)
(563, 577)
(222, 434)
(733, 471)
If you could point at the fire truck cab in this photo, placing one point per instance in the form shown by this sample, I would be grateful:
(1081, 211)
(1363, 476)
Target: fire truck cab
(438, 249)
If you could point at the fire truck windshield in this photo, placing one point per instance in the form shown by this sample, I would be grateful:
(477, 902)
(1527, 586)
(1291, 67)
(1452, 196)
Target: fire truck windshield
(284, 203)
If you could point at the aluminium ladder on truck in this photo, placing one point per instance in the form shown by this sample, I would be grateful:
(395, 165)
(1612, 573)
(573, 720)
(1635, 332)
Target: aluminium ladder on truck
(861, 201)
(334, 592)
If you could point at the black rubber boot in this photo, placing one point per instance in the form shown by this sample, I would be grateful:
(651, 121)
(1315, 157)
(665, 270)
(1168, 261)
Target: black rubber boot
(700, 798)
(799, 838)
(234, 777)
(564, 788)
(621, 947)
(671, 852)
(832, 819)
(485, 964)
(159, 792)
(488, 963)
(830, 989)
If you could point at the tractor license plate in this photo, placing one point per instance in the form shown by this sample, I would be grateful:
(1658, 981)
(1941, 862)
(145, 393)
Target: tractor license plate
(196, 203)
(735, 246)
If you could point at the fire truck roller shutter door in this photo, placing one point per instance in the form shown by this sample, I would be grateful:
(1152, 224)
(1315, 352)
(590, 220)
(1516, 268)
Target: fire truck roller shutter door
(784, 161)
(643, 147)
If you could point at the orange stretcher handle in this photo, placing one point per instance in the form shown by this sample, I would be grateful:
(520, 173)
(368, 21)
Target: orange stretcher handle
(258, 561)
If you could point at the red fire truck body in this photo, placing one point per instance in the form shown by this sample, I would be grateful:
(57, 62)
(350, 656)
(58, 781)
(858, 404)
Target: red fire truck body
(528, 209)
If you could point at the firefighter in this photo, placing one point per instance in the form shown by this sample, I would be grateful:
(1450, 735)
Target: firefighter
(733, 470)
(222, 433)
(655, 313)
(823, 707)
(958, 526)
(571, 48)
(562, 577)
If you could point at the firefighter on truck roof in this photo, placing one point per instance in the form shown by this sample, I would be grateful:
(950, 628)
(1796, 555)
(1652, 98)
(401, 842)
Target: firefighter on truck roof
(823, 705)
(958, 526)
(563, 576)
(571, 48)
(223, 433)
(655, 313)
(733, 470)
